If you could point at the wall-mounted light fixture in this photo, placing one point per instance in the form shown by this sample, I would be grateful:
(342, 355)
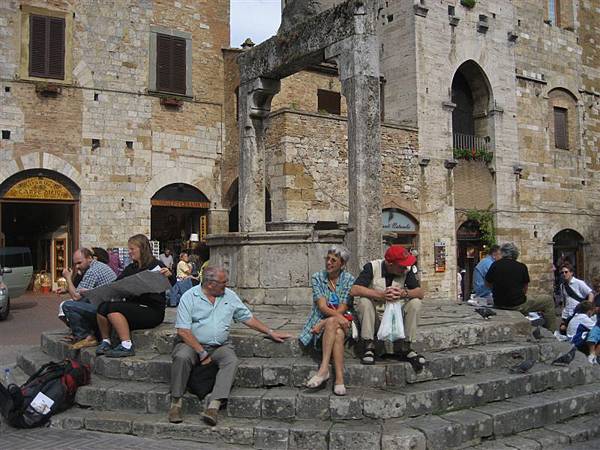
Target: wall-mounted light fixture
(424, 162)
(517, 169)
(450, 164)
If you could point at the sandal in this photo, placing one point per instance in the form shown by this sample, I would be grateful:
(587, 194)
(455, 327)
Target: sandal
(368, 358)
(339, 390)
(416, 361)
(317, 382)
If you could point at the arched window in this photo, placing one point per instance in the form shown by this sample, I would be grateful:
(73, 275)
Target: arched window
(562, 120)
(399, 227)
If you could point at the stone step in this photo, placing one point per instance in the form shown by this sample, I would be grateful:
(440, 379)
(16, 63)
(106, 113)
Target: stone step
(270, 372)
(429, 397)
(568, 415)
(442, 327)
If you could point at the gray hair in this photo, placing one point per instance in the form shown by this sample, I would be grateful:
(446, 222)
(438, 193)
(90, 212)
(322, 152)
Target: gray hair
(340, 251)
(210, 274)
(509, 250)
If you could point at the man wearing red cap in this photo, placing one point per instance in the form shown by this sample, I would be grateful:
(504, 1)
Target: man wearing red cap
(389, 280)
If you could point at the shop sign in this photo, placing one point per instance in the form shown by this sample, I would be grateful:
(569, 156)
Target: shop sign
(180, 204)
(395, 221)
(38, 188)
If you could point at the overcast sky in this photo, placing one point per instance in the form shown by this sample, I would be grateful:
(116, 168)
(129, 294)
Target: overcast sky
(256, 19)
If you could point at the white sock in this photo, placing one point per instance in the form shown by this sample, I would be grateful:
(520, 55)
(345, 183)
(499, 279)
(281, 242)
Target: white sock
(216, 404)
(126, 344)
(106, 340)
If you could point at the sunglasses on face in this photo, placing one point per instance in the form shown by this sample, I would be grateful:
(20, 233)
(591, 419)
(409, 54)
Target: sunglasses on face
(565, 271)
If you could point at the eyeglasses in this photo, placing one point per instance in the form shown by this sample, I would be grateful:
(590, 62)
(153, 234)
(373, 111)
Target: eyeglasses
(565, 271)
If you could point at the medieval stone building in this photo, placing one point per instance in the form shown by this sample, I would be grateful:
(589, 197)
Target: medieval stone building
(491, 115)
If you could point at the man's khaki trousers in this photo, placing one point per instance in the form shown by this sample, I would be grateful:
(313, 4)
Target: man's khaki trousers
(367, 314)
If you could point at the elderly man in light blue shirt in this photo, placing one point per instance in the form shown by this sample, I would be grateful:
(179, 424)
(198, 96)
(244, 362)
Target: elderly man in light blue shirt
(204, 317)
(481, 289)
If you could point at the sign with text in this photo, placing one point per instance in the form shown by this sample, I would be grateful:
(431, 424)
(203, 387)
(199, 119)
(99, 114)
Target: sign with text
(397, 222)
(39, 188)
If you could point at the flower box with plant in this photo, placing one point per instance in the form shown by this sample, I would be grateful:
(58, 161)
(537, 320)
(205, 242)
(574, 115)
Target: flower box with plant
(468, 3)
(473, 154)
(47, 89)
(171, 101)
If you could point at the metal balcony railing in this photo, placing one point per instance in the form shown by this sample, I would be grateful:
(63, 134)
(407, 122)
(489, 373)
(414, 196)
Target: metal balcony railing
(470, 142)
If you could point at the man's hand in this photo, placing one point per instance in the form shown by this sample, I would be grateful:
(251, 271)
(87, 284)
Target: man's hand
(165, 271)
(67, 273)
(206, 361)
(393, 294)
(279, 337)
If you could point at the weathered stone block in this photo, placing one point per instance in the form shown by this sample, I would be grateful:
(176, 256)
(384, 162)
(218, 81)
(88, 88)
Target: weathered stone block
(271, 435)
(510, 418)
(277, 373)
(383, 405)
(440, 434)
(249, 374)
(397, 436)
(159, 399)
(245, 402)
(124, 398)
(313, 435)
(435, 369)
(396, 374)
(355, 436)
(347, 407)
(313, 405)
(473, 425)
(112, 425)
(302, 370)
(279, 403)
(365, 376)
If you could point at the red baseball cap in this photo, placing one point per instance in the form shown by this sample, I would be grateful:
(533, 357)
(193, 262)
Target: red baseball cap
(398, 254)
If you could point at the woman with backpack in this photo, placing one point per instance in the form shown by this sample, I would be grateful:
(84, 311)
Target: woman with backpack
(133, 313)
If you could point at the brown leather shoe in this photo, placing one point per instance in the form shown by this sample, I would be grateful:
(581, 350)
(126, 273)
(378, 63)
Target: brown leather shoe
(89, 341)
(210, 416)
(175, 415)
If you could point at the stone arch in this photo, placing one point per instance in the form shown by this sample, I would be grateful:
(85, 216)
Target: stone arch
(42, 160)
(568, 244)
(181, 175)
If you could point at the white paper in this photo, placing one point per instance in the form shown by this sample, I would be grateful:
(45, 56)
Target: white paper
(156, 269)
(42, 403)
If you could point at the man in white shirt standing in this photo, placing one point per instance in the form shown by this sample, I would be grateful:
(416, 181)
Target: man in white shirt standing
(573, 291)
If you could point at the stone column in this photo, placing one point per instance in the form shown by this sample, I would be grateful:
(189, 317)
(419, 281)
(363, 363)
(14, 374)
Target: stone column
(358, 64)
(254, 107)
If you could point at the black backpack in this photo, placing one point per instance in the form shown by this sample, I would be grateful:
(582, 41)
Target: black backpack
(57, 381)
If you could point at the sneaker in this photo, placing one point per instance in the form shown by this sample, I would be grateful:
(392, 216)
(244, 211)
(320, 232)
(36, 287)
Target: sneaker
(120, 352)
(592, 359)
(210, 416)
(103, 348)
(560, 337)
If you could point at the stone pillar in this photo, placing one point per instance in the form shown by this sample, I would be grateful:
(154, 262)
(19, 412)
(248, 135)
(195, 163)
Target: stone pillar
(218, 221)
(358, 64)
(254, 106)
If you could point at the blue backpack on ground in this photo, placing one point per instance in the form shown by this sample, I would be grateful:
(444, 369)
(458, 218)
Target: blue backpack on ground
(48, 391)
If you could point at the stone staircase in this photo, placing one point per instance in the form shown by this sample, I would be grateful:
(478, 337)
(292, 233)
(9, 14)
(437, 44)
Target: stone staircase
(465, 397)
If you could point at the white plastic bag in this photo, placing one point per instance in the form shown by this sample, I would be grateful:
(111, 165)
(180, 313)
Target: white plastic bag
(392, 324)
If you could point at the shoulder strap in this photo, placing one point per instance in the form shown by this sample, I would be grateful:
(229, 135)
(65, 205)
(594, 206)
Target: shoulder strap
(572, 293)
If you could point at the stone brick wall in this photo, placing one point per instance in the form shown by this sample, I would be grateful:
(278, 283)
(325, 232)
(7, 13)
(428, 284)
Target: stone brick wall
(108, 100)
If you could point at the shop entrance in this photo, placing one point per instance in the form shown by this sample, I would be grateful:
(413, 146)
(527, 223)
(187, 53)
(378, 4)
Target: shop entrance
(39, 209)
(470, 250)
(568, 247)
(179, 217)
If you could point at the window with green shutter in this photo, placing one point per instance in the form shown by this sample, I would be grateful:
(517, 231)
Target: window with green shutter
(46, 47)
(170, 64)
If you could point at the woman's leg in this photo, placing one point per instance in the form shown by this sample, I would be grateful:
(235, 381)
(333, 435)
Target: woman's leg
(103, 326)
(120, 324)
(328, 338)
(338, 355)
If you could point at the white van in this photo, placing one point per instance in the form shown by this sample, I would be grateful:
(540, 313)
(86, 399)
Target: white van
(18, 259)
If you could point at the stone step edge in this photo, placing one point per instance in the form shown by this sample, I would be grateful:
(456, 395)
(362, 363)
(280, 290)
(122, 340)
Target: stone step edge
(292, 403)
(454, 336)
(386, 435)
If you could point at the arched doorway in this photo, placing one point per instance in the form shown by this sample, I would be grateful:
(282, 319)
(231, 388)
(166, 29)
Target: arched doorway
(39, 209)
(470, 246)
(234, 211)
(399, 227)
(568, 246)
(179, 217)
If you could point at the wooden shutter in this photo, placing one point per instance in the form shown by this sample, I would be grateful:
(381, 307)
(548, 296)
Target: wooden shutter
(561, 136)
(170, 64)
(46, 47)
(329, 101)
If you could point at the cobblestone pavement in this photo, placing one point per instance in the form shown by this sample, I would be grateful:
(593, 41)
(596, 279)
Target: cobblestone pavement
(48, 438)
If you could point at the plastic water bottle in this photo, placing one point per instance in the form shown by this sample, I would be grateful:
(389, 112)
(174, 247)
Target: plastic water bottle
(9, 377)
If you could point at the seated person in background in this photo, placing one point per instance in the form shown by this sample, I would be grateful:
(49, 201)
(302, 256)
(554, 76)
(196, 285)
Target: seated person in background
(481, 270)
(509, 280)
(133, 313)
(204, 318)
(389, 280)
(184, 269)
(329, 321)
(585, 316)
(167, 258)
(573, 291)
(80, 315)
(593, 337)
